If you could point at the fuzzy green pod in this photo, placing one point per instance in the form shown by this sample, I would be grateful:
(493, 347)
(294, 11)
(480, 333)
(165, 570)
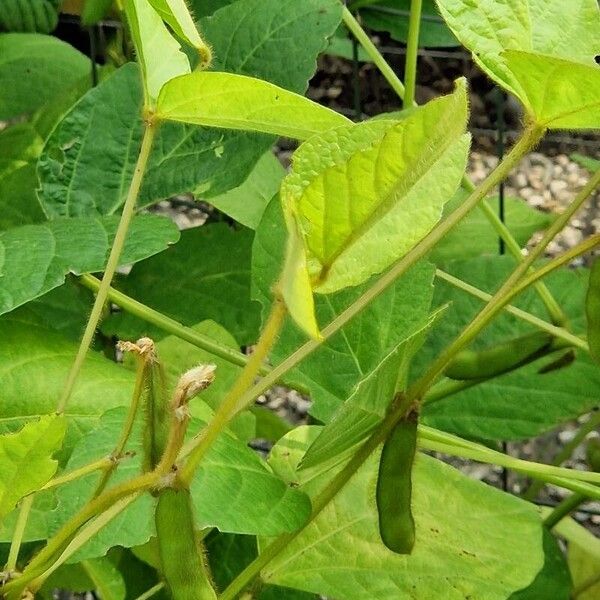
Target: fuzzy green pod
(500, 359)
(394, 487)
(592, 309)
(155, 403)
(182, 558)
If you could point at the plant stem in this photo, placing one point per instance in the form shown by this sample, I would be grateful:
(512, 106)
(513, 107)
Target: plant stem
(365, 41)
(566, 452)
(428, 438)
(84, 535)
(170, 325)
(558, 332)
(19, 532)
(566, 507)
(560, 261)
(92, 509)
(412, 49)
(111, 265)
(505, 293)
(231, 404)
(151, 592)
(103, 463)
(555, 311)
(528, 140)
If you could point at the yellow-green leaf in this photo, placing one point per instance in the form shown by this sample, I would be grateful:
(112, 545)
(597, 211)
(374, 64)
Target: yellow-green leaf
(238, 102)
(26, 462)
(542, 51)
(159, 53)
(361, 196)
(177, 14)
(562, 94)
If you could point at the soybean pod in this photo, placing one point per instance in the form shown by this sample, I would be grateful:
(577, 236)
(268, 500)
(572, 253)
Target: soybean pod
(182, 558)
(592, 309)
(500, 359)
(394, 486)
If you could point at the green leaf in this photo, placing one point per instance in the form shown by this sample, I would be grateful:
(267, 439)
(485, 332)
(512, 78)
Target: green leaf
(574, 89)
(231, 101)
(540, 50)
(367, 405)
(331, 372)
(29, 15)
(245, 497)
(177, 15)
(159, 53)
(92, 175)
(202, 8)
(247, 36)
(87, 162)
(36, 258)
(26, 462)
(106, 579)
(583, 556)
(20, 146)
(229, 554)
(340, 554)
(247, 202)
(351, 188)
(342, 45)
(524, 403)
(209, 278)
(392, 16)
(64, 309)
(35, 361)
(34, 68)
(554, 580)
(99, 575)
(521, 219)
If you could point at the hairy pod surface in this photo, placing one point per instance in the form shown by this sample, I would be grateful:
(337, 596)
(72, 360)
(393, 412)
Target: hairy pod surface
(183, 564)
(504, 357)
(394, 486)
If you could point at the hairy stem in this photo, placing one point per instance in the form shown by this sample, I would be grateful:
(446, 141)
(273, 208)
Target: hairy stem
(111, 265)
(169, 325)
(232, 404)
(151, 592)
(558, 332)
(429, 439)
(69, 530)
(98, 465)
(566, 507)
(83, 536)
(412, 48)
(527, 141)
(19, 532)
(566, 452)
(554, 309)
(365, 41)
(506, 292)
